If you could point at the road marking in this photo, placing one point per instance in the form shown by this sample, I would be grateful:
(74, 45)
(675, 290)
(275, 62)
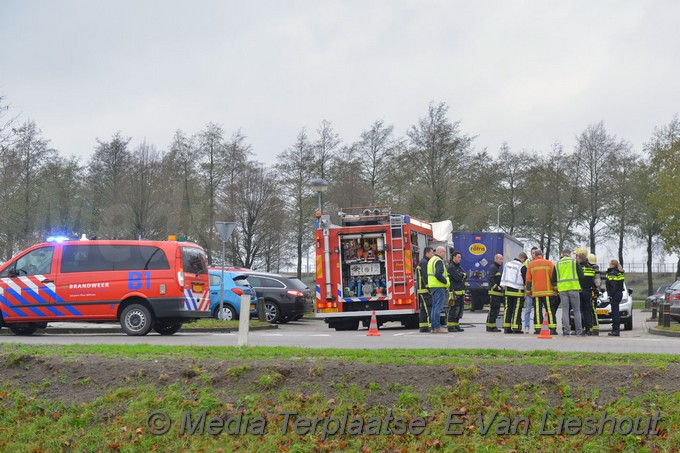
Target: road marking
(321, 335)
(405, 333)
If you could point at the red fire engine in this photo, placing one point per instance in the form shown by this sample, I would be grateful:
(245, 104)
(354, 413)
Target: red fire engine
(368, 263)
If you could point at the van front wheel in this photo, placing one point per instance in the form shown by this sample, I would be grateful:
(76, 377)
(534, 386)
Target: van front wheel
(136, 320)
(166, 329)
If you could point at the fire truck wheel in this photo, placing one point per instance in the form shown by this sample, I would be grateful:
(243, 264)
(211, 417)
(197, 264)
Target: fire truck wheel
(23, 331)
(347, 324)
(166, 328)
(272, 313)
(136, 320)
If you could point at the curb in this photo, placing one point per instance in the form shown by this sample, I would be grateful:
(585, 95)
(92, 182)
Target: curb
(84, 330)
(663, 333)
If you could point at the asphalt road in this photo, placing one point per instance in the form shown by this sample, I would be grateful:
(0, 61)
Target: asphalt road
(312, 333)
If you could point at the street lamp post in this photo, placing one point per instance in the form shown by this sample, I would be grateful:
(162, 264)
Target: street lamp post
(319, 186)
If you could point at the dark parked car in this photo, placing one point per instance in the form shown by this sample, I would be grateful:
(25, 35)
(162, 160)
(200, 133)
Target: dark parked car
(673, 298)
(654, 299)
(284, 298)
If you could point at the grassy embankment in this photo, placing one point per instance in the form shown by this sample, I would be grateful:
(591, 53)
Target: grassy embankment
(117, 420)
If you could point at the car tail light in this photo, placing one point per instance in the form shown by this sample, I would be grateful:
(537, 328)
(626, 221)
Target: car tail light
(295, 293)
(237, 291)
(675, 296)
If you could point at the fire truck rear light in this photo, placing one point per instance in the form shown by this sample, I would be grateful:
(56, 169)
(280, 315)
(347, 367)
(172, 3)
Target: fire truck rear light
(295, 293)
(237, 291)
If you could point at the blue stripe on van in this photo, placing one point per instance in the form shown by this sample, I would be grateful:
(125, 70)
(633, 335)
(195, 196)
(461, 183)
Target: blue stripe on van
(9, 306)
(39, 298)
(21, 299)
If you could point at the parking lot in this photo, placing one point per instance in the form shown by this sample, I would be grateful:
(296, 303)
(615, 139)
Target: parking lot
(313, 333)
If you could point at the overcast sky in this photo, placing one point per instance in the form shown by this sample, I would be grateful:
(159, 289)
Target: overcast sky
(527, 72)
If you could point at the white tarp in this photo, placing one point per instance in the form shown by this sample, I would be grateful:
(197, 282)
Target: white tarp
(441, 231)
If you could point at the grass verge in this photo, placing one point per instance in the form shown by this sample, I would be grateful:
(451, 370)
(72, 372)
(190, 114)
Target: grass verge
(258, 403)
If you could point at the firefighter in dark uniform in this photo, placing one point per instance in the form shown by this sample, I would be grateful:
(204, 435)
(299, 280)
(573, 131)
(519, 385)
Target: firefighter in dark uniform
(456, 293)
(424, 297)
(496, 294)
(615, 292)
(595, 292)
(587, 312)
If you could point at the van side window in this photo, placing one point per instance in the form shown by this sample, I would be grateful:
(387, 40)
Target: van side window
(92, 258)
(36, 262)
(194, 260)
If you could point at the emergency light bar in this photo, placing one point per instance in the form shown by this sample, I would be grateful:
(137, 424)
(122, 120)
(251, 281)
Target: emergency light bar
(57, 239)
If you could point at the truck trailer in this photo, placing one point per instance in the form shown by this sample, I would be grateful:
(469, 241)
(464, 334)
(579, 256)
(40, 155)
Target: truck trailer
(478, 250)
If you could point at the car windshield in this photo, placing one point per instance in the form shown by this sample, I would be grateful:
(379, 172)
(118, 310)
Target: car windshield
(675, 285)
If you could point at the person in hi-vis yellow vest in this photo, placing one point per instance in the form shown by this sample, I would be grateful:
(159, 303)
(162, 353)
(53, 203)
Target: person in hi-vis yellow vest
(438, 283)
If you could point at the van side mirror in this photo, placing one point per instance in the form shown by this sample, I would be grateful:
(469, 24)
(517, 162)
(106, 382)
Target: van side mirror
(630, 291)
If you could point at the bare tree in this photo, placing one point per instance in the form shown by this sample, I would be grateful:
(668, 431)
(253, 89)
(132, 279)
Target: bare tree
(212, 157)
(295, 166)
(374, 150)
(31, 156)
(256, 198)
(436, 150)
(108, 168)
(622, 194)
(664, 150)
(146, 200)
(512, 170)
(181, 167)
(595, 152)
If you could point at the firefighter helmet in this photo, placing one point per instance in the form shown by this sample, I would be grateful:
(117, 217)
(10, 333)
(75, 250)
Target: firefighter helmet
(592, 259)
(581, 251)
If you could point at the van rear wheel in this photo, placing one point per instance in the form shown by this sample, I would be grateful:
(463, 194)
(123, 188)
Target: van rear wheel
(23, 331)
(164, 328)
(136, 320)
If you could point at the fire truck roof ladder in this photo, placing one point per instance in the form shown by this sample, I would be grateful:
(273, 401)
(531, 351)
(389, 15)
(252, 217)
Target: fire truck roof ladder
(397, 254)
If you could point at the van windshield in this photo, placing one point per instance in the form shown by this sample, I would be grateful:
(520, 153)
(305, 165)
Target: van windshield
(194, 260)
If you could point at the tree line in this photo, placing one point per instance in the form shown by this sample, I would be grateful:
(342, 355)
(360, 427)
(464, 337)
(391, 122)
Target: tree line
(603, 189)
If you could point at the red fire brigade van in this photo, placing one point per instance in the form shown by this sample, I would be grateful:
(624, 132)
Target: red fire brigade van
(143, 285)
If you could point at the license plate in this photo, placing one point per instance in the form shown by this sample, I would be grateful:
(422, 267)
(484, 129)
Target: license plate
(602, 312)
(328, 310)
(197, 287)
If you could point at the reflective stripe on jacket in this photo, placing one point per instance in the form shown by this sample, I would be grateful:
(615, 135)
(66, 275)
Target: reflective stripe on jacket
(539, 274)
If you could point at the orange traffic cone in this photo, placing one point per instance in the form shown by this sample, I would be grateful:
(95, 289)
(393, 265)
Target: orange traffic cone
(545, 329)
(373, 328)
